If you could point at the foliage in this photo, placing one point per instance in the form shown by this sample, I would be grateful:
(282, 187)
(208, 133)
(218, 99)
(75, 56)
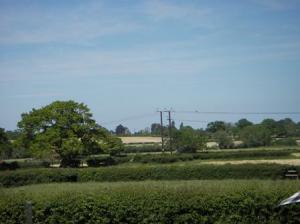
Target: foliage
(113, 145)
(242, 123)
(230, 201)
(177, 157)
(188, 140)
(100, 161)
(142, 148)
(224, 140)
(143, 172)
(6, 148)
(215, 126)
(8, 165)
(285, 142)
(256, 135)
(155, 129)
(65, 128)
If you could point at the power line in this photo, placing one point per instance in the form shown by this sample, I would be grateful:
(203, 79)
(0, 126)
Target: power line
(193, 121)
(129, 118)
(239, 113)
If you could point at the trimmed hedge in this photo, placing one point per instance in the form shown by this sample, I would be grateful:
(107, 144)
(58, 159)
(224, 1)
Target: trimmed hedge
(176, 157)
(140, 173)
(204, 202)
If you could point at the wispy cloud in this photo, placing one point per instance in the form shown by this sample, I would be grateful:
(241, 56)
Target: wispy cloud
(41, 25)
(190, 13)
(277, 5)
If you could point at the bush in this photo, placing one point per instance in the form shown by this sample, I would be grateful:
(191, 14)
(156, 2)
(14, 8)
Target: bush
(100, 161)
(177, 157)
(35, 164)
(163, 158)
(285, 142)
(70, 163)
(205, 202)
(142, 148)
(8, 165)
(139, 173)
(186, 149)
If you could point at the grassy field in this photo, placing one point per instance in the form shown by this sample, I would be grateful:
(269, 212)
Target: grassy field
(226, 201)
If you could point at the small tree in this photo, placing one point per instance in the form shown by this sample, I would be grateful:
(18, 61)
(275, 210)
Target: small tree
(188, 140)
(224, 140)
(256, 135)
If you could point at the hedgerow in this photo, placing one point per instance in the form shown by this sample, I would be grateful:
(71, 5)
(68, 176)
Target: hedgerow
(208, 202)
(144, 172)
(176, 157)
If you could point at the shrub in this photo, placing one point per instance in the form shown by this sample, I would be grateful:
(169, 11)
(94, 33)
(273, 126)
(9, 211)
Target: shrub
(142, 148)
(70, 163)
(35, 164)
(8, 165)
(177, 157)
(100, 161)
(186, 149)
(205, 202)
(161, 158)
(285, 142)
(139, 173)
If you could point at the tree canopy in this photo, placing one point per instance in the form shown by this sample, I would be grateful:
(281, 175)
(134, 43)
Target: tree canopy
(62, 127)
(5, 145)
(188, 140)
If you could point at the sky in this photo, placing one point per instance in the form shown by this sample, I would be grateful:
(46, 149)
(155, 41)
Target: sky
(127, 59)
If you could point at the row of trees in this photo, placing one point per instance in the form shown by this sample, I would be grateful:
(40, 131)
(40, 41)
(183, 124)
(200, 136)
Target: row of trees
(228, 135)
(66, 130)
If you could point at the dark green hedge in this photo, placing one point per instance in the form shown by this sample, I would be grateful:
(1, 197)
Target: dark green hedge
(167, 202)
(9, 165)
(177, 157)
(142, 148)
(139, 173)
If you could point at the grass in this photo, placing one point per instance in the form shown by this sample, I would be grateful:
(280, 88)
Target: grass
(45, 191)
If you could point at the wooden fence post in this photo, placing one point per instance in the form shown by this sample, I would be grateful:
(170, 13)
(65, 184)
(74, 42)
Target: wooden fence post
(28, 212)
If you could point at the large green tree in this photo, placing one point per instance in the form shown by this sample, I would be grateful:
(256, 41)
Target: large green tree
(65, 128)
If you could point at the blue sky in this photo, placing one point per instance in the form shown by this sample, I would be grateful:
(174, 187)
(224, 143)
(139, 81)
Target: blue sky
(128, 58)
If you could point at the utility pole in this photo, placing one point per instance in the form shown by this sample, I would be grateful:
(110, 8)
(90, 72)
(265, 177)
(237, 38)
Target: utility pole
(162, 131)
(170, 130)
